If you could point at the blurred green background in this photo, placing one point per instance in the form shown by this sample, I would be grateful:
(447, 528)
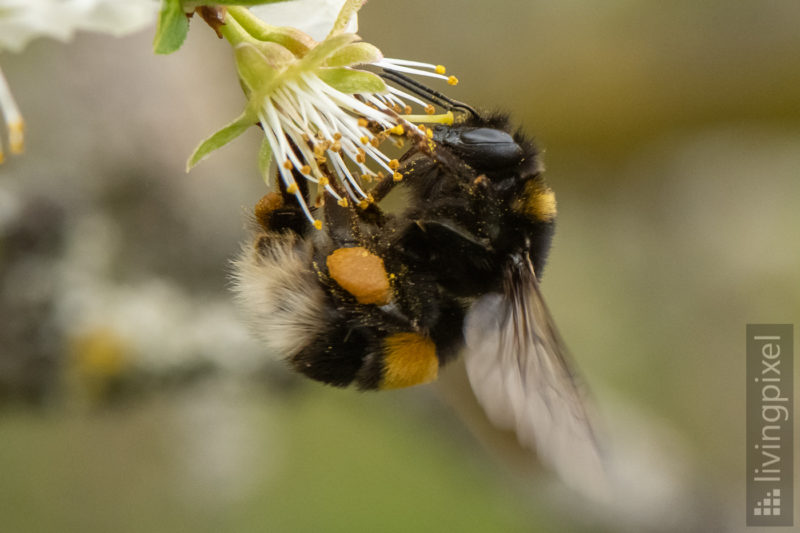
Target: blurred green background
(133, 399)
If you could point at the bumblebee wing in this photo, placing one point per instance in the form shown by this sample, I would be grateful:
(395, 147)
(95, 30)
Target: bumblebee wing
(517, 366)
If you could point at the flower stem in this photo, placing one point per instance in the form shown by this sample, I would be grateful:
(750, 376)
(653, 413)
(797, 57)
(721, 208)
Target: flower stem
(249, 22)
(233, 32)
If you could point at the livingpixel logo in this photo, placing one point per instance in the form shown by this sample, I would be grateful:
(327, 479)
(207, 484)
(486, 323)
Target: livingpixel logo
(770, 425)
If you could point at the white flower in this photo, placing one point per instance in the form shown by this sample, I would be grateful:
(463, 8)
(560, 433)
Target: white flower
(313, 17)
(323, 116)
(24, 20)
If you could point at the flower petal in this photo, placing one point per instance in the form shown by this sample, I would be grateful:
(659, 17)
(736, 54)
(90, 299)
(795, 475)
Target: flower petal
(24, 20)
(314, 17)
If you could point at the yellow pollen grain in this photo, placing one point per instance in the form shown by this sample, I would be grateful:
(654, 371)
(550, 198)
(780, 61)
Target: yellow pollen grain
(429, 133)
(324, 182)
(397, 176)
(408, 109)
(440, 69)
(360, 158)
(394, 164)
(305, 170)
(363, 122)
(398, 130)
(292, 189)
(318, 224)
(452, 80)
(343, 202)
(367, 177)
(376, 142)
(337, 136)
(397, 108)
(288, 165)
(336, 146)
(364, 139)
(363, 204)
(429, 109)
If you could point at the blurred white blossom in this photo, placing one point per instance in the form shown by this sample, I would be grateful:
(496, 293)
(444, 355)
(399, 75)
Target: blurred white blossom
(313, 17)
(24, 20)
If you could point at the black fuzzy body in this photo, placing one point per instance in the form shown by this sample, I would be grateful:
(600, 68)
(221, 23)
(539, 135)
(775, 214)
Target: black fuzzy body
(465, 222)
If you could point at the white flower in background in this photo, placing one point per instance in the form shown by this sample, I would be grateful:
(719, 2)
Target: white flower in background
(24, 20)
(323, 116)
(313, 17)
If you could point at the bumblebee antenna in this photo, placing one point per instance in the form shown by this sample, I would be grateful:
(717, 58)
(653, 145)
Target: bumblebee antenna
(435, 97)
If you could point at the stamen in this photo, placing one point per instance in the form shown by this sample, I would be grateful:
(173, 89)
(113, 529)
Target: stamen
(444, 118)
(398, 65)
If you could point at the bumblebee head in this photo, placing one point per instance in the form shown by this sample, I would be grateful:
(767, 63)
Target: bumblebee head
(483, 148)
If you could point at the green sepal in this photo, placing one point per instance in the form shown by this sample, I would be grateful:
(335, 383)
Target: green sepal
(317, 56)
(354, 54)
(172, 28)
(292, 39)
(348, 11)
(277, 56)
(351, 81)
(264, 159)
(254, 69)
(221, 138)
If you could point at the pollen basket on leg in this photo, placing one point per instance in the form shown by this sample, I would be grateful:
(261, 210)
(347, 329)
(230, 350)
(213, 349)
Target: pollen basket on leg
(360, 273)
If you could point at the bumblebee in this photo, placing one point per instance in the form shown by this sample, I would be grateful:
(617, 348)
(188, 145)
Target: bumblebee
(382, 301)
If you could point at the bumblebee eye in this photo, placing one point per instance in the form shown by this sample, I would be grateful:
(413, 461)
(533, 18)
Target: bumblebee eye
(482, 148)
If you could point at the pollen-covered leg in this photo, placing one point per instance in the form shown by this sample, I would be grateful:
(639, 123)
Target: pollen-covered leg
(361, 273)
